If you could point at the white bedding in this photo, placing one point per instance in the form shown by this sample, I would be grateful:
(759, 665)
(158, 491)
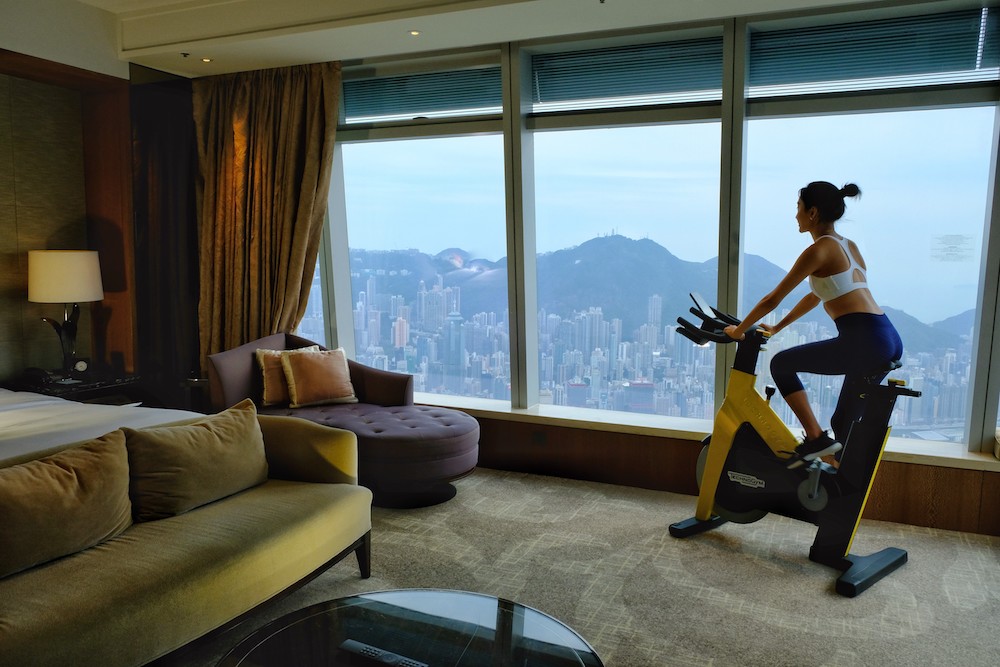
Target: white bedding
(33, 424)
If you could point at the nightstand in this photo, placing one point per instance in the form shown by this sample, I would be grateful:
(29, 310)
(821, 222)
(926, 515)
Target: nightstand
(89, 388)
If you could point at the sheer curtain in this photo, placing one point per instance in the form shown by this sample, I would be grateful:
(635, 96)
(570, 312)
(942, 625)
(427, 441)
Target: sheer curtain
(265, 150)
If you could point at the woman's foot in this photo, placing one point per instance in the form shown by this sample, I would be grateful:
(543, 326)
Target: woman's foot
(818, 447)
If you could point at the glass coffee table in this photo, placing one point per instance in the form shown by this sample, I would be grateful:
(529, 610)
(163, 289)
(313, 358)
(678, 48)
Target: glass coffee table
(415, 628)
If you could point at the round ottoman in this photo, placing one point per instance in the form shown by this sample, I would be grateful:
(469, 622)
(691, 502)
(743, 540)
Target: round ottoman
(408, 455)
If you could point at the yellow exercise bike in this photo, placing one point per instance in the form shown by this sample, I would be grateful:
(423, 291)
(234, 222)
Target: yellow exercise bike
(743, 471)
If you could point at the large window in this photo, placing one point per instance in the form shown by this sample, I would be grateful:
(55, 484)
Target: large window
(626, 220)
(426, 231)
(634, 146)
(919, 224)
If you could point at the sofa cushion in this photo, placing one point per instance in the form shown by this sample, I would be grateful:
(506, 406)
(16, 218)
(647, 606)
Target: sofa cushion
(318, 378)
(274, 385)
(64, 503)
(176, 468)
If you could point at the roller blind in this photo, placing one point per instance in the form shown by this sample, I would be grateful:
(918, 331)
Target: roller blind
(949, 48)
(628, 76)
(467, 92)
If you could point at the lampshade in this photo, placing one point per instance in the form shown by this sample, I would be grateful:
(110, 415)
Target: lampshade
(64, 276)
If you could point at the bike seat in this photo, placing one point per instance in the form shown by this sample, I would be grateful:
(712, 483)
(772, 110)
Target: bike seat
(876, 374)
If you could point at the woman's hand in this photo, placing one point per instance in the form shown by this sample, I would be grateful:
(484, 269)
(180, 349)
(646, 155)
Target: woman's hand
(731, 332)
(769, 328)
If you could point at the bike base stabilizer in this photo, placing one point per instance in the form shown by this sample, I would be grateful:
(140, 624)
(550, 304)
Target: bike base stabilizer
(695, 526)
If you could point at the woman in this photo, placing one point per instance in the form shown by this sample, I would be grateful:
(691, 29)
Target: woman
(866, 342)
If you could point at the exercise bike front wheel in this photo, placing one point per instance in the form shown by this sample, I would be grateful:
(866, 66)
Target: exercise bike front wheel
(748, 516)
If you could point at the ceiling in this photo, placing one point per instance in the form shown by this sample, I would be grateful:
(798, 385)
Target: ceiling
(241, 35)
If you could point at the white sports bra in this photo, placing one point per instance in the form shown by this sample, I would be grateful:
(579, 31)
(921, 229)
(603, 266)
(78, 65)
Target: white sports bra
(829, 288)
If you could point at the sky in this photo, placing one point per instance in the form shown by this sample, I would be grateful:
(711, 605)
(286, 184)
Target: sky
(919, 223)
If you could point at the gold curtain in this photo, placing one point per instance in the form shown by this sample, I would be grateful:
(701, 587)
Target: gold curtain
(265, 151)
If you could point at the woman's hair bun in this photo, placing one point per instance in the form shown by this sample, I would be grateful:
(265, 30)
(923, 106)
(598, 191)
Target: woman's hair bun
(850, 190)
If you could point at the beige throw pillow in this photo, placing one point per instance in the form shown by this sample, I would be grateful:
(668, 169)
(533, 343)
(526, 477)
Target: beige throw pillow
(63, 503)
(275, 387)
(318, 378)
(177, 468)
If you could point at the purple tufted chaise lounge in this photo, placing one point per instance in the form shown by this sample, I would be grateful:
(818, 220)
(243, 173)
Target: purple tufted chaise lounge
(407, 454)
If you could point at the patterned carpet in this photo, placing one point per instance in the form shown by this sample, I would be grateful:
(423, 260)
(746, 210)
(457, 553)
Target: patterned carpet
(599, 558)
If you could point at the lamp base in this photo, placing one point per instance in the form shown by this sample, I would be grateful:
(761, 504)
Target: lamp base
(66, 330)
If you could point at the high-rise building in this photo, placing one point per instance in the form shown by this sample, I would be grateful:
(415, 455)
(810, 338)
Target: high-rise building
(400, 332)
(454, 351)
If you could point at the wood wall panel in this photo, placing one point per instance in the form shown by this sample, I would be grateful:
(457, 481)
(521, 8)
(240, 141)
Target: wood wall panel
(107, 145)
(920, 495)
(57, 74)
(643, 461)
(929, 496)
(989, 512)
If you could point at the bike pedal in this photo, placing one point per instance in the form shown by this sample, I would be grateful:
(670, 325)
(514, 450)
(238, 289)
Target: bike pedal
(823, 467)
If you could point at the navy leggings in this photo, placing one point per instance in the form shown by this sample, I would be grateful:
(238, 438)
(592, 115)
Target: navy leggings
(864, 346)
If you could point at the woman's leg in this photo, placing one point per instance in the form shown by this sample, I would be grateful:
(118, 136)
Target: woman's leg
(822, 357)
(799, 403)
(866, 342)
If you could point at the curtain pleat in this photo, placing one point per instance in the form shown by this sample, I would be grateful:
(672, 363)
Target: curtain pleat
(265, 149)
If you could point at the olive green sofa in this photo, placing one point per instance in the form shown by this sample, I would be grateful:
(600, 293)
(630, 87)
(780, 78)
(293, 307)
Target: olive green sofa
(150, 585)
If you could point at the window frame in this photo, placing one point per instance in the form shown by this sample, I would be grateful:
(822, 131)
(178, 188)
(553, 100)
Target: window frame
(517, 122)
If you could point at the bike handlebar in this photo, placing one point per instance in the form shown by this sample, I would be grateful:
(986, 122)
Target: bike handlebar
(714, 323)
(701, 335)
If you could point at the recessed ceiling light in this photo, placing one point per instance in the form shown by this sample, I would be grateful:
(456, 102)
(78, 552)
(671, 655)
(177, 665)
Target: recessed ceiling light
(206, 60)
(414, 33)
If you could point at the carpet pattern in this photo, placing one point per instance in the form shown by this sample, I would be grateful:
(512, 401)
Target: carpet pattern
(599, 558)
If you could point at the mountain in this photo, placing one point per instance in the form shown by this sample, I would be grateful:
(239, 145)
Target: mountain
(602, 273)
(920, 337)
(399, 270)
(960, 325)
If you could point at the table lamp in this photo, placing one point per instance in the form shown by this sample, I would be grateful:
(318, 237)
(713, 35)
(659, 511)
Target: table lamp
(68, 277)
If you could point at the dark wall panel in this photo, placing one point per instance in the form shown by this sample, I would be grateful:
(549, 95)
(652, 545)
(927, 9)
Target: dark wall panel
(932, 496)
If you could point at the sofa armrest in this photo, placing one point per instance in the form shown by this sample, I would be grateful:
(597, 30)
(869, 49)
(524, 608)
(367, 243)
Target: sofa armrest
(301, 450)
(378, 387)
(233, 374)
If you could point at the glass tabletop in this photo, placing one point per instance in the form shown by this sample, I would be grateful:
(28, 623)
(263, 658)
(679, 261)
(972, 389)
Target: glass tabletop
(414, 628)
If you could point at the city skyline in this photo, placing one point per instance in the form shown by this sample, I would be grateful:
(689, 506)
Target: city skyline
(589, 360)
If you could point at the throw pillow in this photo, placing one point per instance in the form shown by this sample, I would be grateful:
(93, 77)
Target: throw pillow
(177, 468)
(63, 503)
(318, 378)
(275, 387)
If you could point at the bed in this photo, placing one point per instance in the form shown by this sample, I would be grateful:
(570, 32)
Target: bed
(32, 425)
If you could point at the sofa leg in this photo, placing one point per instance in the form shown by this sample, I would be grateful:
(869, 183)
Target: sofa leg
(364, 554)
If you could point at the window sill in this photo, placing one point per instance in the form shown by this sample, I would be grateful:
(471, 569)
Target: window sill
(942, 454)
(899, 450)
